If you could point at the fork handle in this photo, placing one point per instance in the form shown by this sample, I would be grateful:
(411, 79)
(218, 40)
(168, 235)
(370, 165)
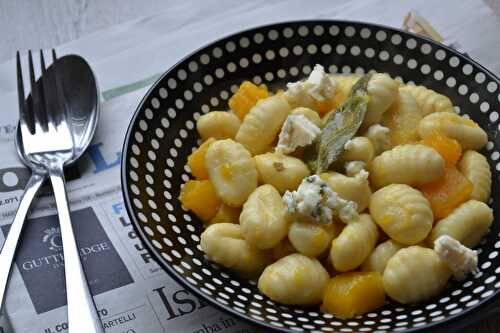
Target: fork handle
(9, 247)
(82, 313)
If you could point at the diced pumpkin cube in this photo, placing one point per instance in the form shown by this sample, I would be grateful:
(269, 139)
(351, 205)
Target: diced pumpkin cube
(226, 214)
(199, 196)
(448, 192)
(196, 160)
(246, 97)
(450, 149)
(350, 294)
(326, 106)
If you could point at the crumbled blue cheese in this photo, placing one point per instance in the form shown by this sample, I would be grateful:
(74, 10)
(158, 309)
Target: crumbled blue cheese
(355, 168)
(322, 85)
(460, 259)
(316, 201)
(297, 131)
(379, 136)
(319, 85)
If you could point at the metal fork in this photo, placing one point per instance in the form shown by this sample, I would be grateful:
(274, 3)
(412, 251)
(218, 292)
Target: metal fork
(48, 143)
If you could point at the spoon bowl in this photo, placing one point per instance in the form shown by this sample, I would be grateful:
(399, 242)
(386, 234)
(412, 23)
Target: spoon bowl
(81, 103)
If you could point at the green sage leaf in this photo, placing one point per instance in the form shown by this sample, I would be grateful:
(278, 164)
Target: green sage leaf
(340, 127)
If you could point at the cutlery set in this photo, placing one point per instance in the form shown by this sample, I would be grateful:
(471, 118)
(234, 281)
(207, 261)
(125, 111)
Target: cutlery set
(53, 132)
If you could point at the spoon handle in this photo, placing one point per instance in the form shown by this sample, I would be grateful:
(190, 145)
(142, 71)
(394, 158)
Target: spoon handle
(82, 314)
(9, 247)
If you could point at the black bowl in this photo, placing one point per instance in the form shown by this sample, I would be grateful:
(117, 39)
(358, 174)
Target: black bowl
(162, 134)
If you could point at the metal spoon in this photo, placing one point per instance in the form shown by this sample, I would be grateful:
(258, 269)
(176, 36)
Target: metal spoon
(82, 104)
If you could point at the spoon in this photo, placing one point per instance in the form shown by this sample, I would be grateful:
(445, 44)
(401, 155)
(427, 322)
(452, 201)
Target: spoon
(82, 104)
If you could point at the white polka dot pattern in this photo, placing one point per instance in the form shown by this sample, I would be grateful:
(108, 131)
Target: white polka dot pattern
(163, 134)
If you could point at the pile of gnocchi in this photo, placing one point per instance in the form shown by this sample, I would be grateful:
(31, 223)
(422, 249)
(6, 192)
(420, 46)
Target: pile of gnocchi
(396, 214)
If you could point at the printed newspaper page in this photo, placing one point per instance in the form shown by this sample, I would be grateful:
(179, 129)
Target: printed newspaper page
(132, 293)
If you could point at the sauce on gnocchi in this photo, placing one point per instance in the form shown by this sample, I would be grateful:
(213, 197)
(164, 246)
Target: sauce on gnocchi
(306, 179)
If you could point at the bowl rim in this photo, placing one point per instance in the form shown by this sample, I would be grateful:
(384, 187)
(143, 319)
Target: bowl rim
(454, 322)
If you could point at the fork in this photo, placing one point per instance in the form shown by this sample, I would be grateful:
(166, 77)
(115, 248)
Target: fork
(48, 143)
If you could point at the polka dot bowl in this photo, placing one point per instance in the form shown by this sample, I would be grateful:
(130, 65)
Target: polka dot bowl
(162, 134)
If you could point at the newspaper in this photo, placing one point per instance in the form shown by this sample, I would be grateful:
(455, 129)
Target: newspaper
(132, 293)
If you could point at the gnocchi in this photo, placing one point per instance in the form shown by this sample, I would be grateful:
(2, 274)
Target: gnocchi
(356, 189)
(312, 239)
(429, 100)
(415, 274)
(284, 172)
(476, 169)
(295, 279)
(218, 125)
(232, 171)
(224, 244)
(354, 244)
(382, 90)
(263, 220)
(291, 191)
(465, 131)
(411, 164)
(359, 148)
(262, 123)
(402, 212)
(468, 223)
(402, 119)
(378, 259)
(310, 114)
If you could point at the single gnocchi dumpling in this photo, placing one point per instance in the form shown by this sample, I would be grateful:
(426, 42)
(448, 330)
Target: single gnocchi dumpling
(310, 114)
(415, 274)
(378, 259)
(379, 136)
(476, 169)
(402, 119)
(284, 172)
(232, 171)
(354, 244)
(465, 131)
(412, 164)
(264, 220)
(295, 280)
(355, 188)
(382, 90)
(218, 125)
(402, 212)
(429, 100)
(224, 244)
(312, 239)
(263, 123)
(359, 148)
(468, 223)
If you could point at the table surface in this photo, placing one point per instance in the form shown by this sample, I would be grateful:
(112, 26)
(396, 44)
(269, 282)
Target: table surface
(29, 24)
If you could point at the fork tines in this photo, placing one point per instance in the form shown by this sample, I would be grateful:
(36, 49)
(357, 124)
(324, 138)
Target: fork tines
(37, 112)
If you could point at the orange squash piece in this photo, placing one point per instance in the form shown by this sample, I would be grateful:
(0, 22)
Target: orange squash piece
(450, 149)
(350, 294)
(327, 106)
(199, 196)
(246, 97)
(196, 160)
(448, 192)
